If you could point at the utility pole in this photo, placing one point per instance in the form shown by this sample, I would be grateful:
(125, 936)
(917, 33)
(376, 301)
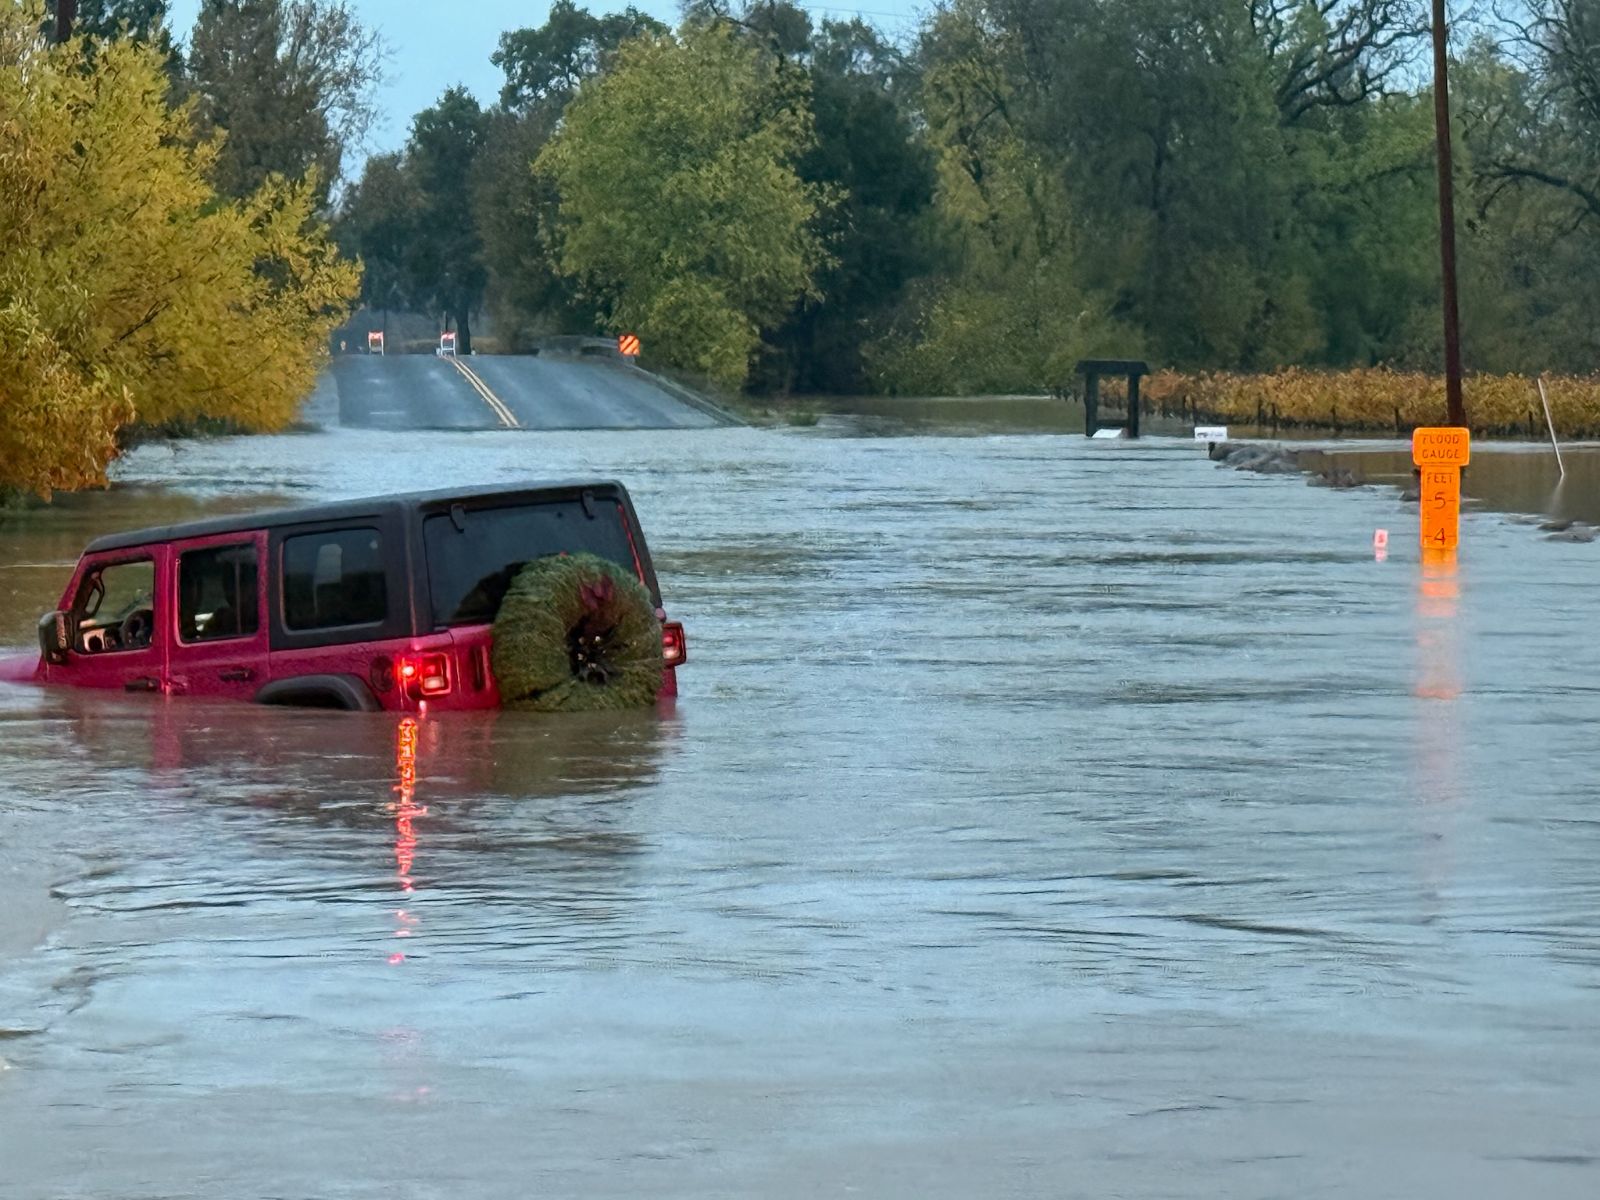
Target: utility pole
(66, 14)
(1447, 218)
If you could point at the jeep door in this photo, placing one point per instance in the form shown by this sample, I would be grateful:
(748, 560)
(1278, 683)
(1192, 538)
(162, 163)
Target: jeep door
(118, 601)
(339, 603)
(216, 626)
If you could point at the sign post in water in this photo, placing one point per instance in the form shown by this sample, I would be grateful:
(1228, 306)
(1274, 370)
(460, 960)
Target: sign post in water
(1439, 453)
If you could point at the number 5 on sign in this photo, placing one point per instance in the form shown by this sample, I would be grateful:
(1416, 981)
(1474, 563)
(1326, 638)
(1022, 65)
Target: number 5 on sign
(1441, 508)
(1440, 453)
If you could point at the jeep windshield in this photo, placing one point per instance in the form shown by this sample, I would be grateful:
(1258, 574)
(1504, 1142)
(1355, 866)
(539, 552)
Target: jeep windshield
(474, 553)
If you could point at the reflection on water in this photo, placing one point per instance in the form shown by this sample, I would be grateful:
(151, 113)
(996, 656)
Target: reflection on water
(1038, 818)
(1438, 594)
(304, 764)
(1435, 777)
(1439, 682)
(406, 810)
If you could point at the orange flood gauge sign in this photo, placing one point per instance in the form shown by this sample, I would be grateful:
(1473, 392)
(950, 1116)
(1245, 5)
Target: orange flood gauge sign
(1439, 453)
(1441, 446)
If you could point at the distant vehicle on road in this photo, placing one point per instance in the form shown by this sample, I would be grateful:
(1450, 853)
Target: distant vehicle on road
(384, 603)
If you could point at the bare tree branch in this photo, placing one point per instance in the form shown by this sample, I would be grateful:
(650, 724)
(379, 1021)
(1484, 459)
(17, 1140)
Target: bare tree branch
(1336, 53)
(1551, 134)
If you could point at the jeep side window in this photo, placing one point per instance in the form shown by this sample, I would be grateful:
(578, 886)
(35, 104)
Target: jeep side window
(334, 578)
(115, 608)
(217, 593)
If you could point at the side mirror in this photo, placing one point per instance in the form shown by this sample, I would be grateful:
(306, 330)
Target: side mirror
(55, 636)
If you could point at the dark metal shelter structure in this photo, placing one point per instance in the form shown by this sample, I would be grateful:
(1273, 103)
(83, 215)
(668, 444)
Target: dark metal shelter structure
(1092, 369)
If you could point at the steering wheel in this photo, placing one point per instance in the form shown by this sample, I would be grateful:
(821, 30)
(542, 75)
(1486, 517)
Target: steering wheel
(137, 628)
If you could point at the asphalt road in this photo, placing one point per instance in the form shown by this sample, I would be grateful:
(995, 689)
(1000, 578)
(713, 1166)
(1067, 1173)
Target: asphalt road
(413, 391)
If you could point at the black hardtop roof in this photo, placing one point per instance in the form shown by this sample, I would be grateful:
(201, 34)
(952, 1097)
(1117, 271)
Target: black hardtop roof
(341, 509)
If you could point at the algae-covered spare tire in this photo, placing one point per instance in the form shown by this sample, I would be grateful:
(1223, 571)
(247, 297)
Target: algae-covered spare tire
(576, 633)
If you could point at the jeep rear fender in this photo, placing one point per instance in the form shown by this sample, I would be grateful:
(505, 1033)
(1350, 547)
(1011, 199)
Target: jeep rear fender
(348, 692)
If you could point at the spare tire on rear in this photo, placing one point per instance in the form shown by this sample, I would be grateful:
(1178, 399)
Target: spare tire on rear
(576, 633)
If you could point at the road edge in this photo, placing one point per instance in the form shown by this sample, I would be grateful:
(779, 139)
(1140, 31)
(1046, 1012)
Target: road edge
(688, 396)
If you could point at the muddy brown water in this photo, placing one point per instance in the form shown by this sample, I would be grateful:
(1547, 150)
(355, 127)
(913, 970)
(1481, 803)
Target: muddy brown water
(1513, 478)
(1039, 818)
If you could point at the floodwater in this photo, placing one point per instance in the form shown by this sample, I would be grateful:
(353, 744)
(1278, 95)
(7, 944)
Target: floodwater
(1039, 818)
(1518, 478)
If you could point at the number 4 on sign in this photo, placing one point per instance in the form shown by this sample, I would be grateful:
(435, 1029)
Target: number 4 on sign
(1441, 508)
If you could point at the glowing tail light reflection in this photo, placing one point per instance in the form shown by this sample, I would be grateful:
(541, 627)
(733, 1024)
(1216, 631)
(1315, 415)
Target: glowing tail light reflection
(405, 810)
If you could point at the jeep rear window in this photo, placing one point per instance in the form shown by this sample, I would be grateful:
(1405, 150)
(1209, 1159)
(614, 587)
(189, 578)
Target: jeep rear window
(470, 567)
(334, 578)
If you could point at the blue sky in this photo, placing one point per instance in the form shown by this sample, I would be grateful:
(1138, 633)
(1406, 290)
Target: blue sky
(434, 43)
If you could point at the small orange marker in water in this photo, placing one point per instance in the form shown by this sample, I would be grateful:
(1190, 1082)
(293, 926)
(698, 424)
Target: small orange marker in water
(1380, 540)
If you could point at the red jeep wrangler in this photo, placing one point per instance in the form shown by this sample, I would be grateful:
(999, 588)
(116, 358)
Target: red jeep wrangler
(386, 603)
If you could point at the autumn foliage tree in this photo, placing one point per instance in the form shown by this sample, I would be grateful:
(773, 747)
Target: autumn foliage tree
(129, 291)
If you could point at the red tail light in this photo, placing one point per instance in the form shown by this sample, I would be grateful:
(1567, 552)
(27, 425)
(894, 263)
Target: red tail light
(424, 674)
(674, 646)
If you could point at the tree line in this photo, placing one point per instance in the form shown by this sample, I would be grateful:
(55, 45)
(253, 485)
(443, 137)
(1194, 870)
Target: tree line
(781, 203)
(790, 204)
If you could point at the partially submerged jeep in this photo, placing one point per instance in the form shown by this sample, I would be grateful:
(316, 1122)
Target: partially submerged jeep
(384, 603)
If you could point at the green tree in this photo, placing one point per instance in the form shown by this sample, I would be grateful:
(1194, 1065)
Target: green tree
(868, 155)
(380, 223)
(412, 220)
(1334, 54)
(1011, 310)
(107, 20)
(544, 66)
(682, 213)
(1548, 134)
(515, 209)
(447, 262)
(1367, 232)
(1530, 239)
(290, 82)
(526, 295)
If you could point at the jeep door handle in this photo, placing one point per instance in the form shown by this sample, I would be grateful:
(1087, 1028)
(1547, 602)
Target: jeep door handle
(144, 683)
(236, 674)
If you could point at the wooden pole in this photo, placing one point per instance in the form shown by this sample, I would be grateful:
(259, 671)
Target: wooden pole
(1447, 218)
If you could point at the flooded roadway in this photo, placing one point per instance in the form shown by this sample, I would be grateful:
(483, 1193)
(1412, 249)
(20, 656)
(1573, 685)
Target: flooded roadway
(1039, 818)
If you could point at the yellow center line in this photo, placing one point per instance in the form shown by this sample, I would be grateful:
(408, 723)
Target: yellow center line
(496, 405)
